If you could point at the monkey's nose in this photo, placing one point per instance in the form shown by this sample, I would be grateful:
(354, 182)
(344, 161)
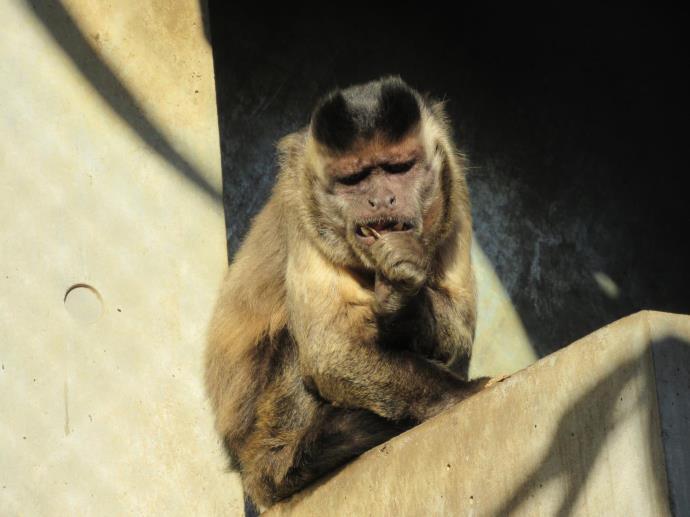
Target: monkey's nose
(386, 201)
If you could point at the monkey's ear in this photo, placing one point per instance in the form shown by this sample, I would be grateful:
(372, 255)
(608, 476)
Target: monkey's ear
(398, 109)
(332, 123)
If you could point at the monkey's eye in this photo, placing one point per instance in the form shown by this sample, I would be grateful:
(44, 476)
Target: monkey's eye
(398, 168)
(355, 178)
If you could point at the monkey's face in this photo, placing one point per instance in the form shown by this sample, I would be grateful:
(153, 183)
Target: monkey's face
(380, 188)
(375, 170)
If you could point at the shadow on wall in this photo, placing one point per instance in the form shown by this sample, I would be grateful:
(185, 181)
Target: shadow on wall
(206, 22)
(672, 372)
(666, 383)
(573, 463)
(66, 33)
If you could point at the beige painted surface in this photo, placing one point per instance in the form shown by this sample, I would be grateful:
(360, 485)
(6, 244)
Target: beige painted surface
(577, 433)
(501, 344)
(102, 410)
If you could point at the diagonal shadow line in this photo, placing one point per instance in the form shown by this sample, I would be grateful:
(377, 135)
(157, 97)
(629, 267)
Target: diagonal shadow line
(69, 37)
(606, 392)
(205, 20)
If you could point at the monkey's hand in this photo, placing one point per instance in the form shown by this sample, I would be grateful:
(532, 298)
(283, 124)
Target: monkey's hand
(401, 269)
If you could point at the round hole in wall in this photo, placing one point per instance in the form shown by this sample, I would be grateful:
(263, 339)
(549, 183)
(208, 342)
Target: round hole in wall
(83, 302)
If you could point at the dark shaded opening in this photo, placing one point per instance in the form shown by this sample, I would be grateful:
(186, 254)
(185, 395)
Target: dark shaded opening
(573, 120)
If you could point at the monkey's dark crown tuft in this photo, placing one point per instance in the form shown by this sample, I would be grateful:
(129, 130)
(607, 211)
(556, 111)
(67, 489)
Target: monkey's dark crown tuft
(387, 105)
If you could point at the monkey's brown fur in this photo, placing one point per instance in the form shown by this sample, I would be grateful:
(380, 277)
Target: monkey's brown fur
(321, 346)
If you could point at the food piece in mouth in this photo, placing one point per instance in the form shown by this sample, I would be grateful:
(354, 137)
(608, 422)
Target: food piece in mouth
(368, 232)
(376, 229)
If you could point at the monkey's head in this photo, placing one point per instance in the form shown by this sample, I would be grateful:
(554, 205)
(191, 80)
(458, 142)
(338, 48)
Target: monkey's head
(377, 161)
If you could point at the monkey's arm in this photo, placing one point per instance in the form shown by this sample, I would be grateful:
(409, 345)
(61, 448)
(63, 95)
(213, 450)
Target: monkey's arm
(428, 308)
(333, 323)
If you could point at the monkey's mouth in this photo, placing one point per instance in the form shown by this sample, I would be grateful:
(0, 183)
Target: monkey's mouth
(370, 231)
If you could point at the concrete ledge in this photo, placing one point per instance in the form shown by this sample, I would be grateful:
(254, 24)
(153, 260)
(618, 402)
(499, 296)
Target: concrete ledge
(598, 428)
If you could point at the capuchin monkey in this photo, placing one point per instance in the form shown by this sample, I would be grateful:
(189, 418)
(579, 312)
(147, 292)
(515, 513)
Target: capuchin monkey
(348, 313)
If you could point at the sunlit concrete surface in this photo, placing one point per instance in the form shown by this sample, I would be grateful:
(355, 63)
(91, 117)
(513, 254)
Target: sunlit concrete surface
(578, 433)
(111, 251)
(501, 344)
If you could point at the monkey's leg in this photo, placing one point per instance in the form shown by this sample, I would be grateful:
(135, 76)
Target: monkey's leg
(450, 322)
(335, 436)
(454, 323)
(395, 384)
(434, 326)
(340, 436)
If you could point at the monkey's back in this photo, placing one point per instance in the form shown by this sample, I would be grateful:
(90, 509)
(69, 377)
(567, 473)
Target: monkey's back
(252, 374)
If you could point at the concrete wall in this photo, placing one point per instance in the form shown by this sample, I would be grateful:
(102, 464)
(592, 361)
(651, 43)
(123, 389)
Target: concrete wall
(598, 428)
(110, 180)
